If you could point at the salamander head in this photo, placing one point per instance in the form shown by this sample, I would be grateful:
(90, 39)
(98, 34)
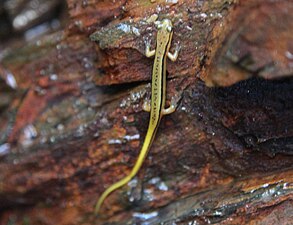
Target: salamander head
(165, 24)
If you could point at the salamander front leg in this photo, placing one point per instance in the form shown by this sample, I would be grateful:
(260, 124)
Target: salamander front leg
(173, 57)
(148, 51)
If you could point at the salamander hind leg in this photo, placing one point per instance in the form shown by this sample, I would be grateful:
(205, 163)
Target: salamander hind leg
(169, 110)
(172, 107)
(147, 105)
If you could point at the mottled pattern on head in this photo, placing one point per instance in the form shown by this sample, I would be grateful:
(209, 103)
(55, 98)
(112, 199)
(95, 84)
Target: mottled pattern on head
(164, 29)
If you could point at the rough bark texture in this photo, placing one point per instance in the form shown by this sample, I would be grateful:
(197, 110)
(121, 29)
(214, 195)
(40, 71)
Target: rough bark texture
(73, 125)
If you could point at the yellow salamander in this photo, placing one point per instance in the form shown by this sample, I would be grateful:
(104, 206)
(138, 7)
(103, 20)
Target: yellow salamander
(156, 106)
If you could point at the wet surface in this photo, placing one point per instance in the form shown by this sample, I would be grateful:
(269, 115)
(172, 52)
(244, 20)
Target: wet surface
(224, 157)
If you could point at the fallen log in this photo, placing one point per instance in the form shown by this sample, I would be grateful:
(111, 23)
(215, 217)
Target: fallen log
(73, 123)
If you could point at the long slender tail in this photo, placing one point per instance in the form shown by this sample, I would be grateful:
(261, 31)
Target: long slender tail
(144, 150)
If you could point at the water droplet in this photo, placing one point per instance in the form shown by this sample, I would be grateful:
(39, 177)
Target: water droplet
(53, 77)
(97, 134)
(289, 55)
(29, 133)
(87, 64)
(79, 24)
(158, 9)
(183, 108)
(131, 137)
(35, 32)
(286, 186)
(60, 127)
(203, 15)
(134, 192)
(126, 28)
(114, 141)
(148, 196)
(145, 216)
(133, 183)
(52, 139)
(188, 28)
(84, 3)
(38, 43)
(136, 31)
(123, 103)
(218, 213)
(172, 1)
(159, 184)
(10, 80)
(4, 149)
(79, 132)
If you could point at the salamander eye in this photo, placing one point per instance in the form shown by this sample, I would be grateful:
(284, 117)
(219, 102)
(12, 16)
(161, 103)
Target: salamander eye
(158, 24)
(169, 29)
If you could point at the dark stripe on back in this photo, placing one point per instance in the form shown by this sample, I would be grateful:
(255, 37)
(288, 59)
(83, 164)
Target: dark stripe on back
(163, 59)
(161, 88)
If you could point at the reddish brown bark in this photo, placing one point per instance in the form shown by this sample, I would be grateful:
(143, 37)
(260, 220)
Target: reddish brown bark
(225, 155)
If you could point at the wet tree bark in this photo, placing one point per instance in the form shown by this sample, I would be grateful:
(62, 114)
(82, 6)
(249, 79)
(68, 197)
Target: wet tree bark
(72, 122)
